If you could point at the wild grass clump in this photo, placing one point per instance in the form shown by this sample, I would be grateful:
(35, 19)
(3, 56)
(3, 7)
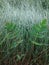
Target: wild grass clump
(22, 43)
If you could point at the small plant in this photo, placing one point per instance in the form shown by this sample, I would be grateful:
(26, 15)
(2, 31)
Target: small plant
(39, 30)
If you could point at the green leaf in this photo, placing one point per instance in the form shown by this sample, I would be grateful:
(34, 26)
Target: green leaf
(43, 23)
(39, 44)
(10, 26)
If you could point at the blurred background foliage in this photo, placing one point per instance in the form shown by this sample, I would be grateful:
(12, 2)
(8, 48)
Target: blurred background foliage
(24, 40)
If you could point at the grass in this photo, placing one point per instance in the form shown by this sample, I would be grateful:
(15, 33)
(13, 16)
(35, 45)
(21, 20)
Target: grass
(21, 45)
